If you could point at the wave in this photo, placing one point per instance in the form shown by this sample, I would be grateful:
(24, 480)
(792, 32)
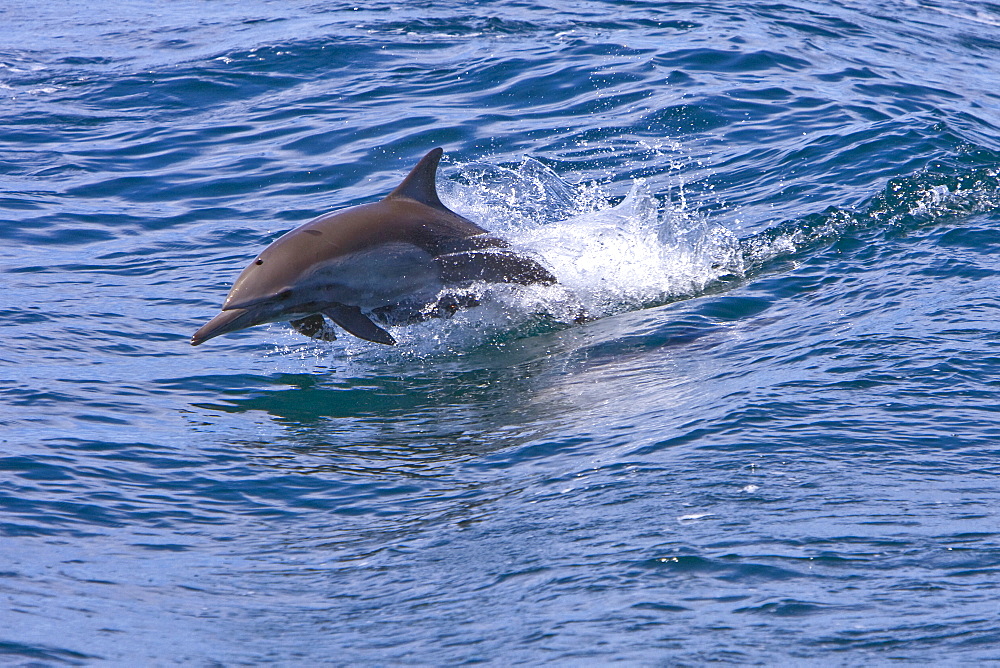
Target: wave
(649, 250)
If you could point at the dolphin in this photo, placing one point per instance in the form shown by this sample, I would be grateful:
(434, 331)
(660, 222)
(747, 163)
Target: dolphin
(395, 256)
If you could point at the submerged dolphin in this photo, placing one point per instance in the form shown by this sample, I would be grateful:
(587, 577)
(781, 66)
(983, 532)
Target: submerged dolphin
(393, 256)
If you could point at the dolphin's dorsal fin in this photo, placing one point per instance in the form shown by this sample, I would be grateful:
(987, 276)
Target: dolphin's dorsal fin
(419, 183)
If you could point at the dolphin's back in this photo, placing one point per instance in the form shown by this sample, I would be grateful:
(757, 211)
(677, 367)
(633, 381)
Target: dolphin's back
(397, 220)
(463, 250)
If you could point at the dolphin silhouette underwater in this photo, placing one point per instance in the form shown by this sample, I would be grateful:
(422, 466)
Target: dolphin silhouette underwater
(393, 260)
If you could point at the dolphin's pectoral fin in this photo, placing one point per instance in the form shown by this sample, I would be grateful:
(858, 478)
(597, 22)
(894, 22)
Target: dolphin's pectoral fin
(495, 265)
(315, 327)
(357, 323)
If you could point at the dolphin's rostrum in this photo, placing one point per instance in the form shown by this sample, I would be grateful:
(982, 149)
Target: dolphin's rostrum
(387, 259)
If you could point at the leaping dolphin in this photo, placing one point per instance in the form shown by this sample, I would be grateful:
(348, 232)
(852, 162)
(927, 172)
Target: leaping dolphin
(396, 254)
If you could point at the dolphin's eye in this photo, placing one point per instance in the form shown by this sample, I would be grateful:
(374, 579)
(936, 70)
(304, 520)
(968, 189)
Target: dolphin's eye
(258, 261)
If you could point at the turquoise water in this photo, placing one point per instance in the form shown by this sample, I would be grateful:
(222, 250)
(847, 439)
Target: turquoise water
(776, 443)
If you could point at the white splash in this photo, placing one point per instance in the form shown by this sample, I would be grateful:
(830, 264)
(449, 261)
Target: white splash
(609, 258)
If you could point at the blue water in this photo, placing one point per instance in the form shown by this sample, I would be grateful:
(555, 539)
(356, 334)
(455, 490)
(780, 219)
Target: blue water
(777, 443)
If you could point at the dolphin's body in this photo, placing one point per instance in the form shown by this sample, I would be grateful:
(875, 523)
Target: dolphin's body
(393, 256)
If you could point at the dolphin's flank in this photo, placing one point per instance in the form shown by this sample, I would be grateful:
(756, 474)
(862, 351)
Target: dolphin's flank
(395, 256)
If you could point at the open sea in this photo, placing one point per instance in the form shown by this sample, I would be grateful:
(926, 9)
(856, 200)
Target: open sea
(776, 443)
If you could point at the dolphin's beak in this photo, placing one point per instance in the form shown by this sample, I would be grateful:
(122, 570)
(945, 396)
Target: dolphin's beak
(225, 322)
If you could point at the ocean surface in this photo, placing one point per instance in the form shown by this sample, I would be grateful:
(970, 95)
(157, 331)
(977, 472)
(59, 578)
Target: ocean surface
(776, 442)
